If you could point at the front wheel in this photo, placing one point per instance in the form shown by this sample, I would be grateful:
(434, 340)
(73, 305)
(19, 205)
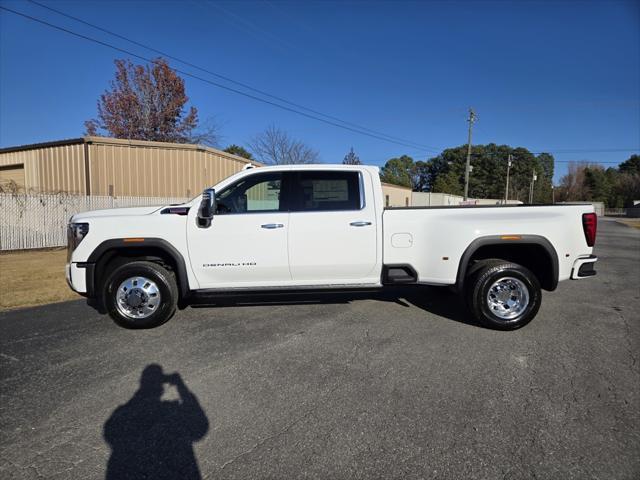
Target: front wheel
(503, 295)
(140, 295)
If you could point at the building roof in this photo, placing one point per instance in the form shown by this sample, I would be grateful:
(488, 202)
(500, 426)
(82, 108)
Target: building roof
(124, 141)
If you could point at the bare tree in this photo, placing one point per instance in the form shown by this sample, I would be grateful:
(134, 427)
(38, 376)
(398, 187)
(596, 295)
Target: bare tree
(275, 147)
(572, 185)
(208, 133)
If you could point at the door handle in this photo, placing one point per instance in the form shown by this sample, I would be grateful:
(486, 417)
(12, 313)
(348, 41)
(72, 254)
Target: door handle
(271, 226)
(360, 224)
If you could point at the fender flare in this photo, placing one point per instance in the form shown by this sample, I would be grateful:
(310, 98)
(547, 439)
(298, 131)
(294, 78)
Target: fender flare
(122, 244)
(497, 240)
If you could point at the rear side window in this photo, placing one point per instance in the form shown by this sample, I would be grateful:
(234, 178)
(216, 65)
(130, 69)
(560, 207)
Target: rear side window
(327, 191)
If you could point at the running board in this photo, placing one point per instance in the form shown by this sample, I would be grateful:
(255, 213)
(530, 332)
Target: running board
(280, 291)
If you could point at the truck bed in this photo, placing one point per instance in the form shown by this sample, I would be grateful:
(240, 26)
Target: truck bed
(414, 235)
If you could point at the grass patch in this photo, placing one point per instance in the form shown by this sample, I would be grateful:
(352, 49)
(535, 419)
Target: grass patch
(631, 222)
(33, 277)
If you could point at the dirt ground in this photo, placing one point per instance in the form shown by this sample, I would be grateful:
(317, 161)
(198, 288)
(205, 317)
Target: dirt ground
(33, 277)
(632, 222)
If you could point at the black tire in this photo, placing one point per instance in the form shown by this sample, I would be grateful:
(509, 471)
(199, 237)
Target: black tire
(166, 285)
(480, 280)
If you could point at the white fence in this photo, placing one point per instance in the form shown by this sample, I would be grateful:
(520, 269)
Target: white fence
(39, 221)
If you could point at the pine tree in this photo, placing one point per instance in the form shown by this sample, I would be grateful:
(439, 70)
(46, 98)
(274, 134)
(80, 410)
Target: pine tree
(351, 158)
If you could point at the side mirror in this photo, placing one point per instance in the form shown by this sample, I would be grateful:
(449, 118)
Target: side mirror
(207, 208)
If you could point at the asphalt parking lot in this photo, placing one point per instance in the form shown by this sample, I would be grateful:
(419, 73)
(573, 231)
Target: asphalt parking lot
(395, 386)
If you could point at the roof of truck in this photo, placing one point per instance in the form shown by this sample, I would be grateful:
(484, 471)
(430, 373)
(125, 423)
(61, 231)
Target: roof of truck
(320, 166)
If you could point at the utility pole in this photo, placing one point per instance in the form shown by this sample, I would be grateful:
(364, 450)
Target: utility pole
(534, 177)
(506, 190)
(553, 194)
(467, 169)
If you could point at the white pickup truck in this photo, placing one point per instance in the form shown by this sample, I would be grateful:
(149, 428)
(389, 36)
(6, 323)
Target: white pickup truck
(322, 227)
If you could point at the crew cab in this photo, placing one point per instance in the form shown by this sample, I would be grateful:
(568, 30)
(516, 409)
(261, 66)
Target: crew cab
(322, 227)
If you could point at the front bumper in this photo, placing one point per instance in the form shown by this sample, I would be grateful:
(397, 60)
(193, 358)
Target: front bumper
(77, 277)
(583, 267)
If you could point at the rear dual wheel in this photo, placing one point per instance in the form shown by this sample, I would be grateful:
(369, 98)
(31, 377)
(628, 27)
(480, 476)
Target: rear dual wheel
(140, 295)
(503, 295)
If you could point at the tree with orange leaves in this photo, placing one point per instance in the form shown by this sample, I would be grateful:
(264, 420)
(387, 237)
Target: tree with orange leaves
(147, 102)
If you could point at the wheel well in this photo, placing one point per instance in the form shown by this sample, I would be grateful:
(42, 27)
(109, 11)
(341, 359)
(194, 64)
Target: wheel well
(115, 257)
(535, 257)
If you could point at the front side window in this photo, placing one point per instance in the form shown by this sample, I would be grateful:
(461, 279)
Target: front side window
(328, 191)
(253, 194)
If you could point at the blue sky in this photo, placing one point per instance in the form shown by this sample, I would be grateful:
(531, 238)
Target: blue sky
(545, 75)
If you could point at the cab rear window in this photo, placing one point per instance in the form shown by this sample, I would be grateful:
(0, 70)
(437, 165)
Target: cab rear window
(327, 191)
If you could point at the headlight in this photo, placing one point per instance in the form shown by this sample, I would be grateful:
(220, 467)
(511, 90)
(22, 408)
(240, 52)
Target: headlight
(75, 233)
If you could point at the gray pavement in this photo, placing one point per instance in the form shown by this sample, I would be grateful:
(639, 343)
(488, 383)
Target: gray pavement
(397, 386)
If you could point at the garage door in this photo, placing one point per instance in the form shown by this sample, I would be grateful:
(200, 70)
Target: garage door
(12, 177)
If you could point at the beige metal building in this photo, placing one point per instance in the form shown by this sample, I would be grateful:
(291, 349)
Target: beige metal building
(103, 166)
(109, 166)
(396, 195)
(433, 199)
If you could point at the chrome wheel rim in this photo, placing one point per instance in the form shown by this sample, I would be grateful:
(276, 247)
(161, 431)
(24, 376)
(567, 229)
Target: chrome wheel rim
(138, 297)
(508, 298)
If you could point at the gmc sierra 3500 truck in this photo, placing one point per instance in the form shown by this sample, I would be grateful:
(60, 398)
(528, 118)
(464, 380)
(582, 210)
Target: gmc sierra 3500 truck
(322, 227)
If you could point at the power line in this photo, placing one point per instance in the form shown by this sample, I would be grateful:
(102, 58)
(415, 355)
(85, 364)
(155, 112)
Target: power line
(610, 150)
(505, 156)
(398, 140)
(249, 26)
(357, 128)
(586, 150)
(588, 161)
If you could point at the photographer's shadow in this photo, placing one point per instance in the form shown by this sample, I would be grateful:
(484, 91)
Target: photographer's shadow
(153, 438)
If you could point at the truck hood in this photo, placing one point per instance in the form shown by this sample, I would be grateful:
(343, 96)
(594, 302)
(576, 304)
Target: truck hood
(115, 212)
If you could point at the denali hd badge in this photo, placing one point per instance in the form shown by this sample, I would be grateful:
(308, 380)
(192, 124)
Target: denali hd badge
(240, 264)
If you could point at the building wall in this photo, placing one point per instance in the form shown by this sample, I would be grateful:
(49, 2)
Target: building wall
(396, 195)
(496, 201)
(633, 212)
(429, 199)
(50, 168)
(107, 166)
